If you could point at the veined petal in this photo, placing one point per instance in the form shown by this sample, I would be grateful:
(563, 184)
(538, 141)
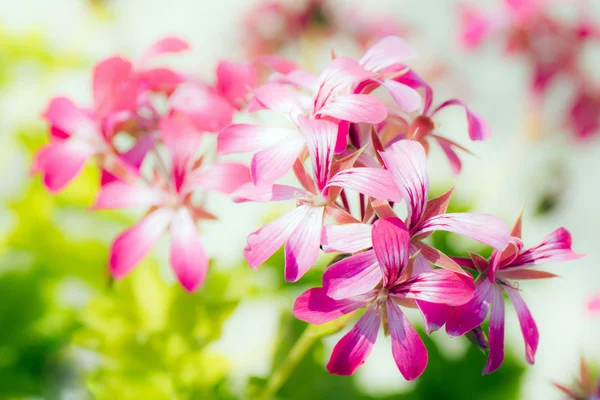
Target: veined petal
(464, 318)
(315, 307)
(347, 238)
(118, 194)
(353, 349)
(407, 98)
(268, 239)
(188, 258)
(265, 193)
(373, 182)
(390, 50)
(496, 334)
(278, 98)
(244, 138)
(275, 161)
(478, 127)
(528, 326)
(437, 286)
(355, 108)
(131, 246)
(352, 276)
(224, 177)
(302, 247)
(391, 242)
(435, 315)
(408, 349)
(407, 162)
(338, 76)
(483, 228)
(554, 247)
(320, 136)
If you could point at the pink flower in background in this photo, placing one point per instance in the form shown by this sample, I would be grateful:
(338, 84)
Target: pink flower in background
(594, 304)
(396, 287)
(496, 277)
(171, 206)
(586, 387)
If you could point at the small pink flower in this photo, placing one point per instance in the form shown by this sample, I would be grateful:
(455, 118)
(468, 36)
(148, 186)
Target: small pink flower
(395, 287)
(594, 304)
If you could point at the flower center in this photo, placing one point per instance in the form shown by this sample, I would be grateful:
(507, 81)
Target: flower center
(421, 126)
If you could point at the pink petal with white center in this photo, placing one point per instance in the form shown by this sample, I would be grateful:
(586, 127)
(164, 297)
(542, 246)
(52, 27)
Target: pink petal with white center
(496, 333)
(188, 258)
(389, 51)
(407, 98)
(315, 307)
(265, 193)
(373, 182)
(483, 228)
(408, 349)
(278, 98)
(434, 315)
(206, 108)
(275, 161)
(114, 87)
(407, 162)
(464, 318)
(455, 163)
(118, 194)
(339, 76)
(302, 247)
(437, 286)
(352, 276)
(391, 242)
(66, 119)
(235, 80)
(61, 161)
(528, 326)
(320, 136)
(594, 304)
(554, 247)
(131, 246)
(355, 108)
(353, 349)
(224, 177)
(167, 45)
(347, 238)
(263, 243)
(478, 127)
(244, 138)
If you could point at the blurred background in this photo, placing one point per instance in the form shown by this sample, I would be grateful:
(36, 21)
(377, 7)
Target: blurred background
(68, 332)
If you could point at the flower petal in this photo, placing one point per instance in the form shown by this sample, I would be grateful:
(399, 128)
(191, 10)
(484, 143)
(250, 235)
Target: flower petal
(166, 45)
(554, 247)
(478, 127)
(114, 87)
(386, 52)
(321, 136)
(244, 138)
(346, 238)
(434, 315)
(594, 304)
(355, 108)
(340, 75)
(408, 349)
(131, 246)
(278, 98)
(275, 161)
(66, 119)
(391, 242)
(224, 177)
(265, 193)
(437, 286)
(315, 307)
(204, 106)
(235, 80)
(188, 258)
(407, 98)
(118, 194)
(302, 247)
(528, 326)
(464, 318)
(455, 163)
(496, 334)
(352, 276)
(353, 349)
(373, 182)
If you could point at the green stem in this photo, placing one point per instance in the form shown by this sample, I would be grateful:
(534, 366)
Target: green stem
(302, 346)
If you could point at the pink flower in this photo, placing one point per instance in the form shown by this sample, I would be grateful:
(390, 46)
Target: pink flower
(594, 304)
(171, 206)
(496, 276)
(396, 287)
(584, 114)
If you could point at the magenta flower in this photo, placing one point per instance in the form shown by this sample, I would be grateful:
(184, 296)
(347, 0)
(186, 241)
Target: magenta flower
(396, 287)
(496, 277)
(171, 206)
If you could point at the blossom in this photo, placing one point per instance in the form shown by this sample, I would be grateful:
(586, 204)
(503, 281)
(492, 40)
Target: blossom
(586, 387)
(171, 206)
(396, 287)
(497, 276)
(594, 304)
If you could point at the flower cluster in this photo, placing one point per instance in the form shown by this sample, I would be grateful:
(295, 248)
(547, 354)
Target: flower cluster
(356, 138)
(553, 47)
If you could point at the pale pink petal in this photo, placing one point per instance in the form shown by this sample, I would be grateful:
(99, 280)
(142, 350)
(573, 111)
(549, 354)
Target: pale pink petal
(66, 119)
(224, 177)
(472, 314)
(118, 194)
(114, 87)
(387, 52)
(235, 80)
(554, 247)
(391, 242)
(373, 182)
(61, 161)
(412, 79)
(315, 307)
(420, 263)
(265, 193)
(352, 276)
(169, 44)
(299, 78)
(207, 109)
(434, 315)
(408, 349)
(437, 286)
(478, 127)
(243, 138)
(407, 162)
(347, 238)
(278, 98)
(355, 108)
(340, 75)
(278, 64)
(475, 26)
(407, 98)
(320, 136)
(131, 246)
(188, 258)
(496, 334)
(528, 326)
(263, 243)
(275, 161)
(483, 228)
(302, 247)
(353, 349)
